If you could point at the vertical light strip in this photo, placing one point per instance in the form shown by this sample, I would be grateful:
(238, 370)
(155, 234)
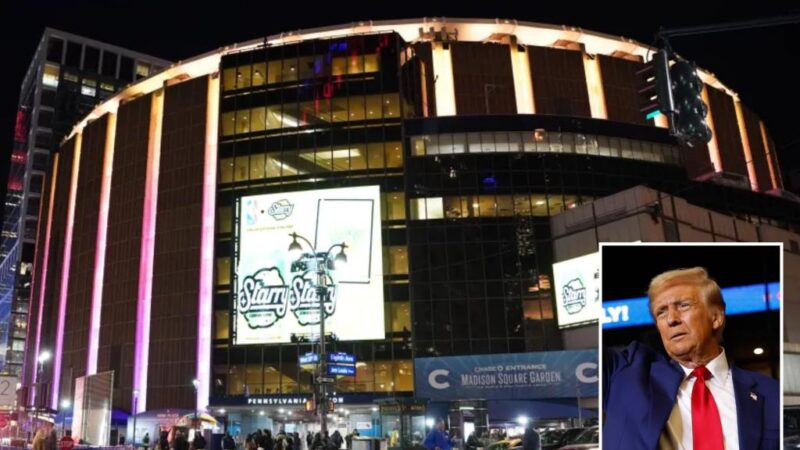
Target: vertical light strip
(65, 263)
(142, 348)
(100, 249)
(424, 83)
(594, 85)
(713, 146)
(443, 80)
(748, 153)
(523, 85)
(42, 281)
(205, 298)
(768, 151)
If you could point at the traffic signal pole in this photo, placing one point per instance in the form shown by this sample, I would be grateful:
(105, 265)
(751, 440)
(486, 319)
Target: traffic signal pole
(728, 26)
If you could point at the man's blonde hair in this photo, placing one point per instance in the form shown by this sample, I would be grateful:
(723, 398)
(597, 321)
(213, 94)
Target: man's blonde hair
(696, 276)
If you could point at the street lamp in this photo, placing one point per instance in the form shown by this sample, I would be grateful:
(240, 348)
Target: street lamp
(65, 404)
(135, 411)
(322, 262)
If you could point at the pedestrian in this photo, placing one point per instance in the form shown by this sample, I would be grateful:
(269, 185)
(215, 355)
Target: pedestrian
(531, 440)
(199, 442)
(437, 438)
(146, 441)
(228, 443)
(38, 440)
(66, 442)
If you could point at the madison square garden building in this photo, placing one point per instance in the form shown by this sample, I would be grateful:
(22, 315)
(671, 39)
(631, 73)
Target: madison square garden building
(439, 151)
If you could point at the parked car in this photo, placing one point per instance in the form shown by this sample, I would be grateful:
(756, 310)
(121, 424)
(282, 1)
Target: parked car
(588, 440)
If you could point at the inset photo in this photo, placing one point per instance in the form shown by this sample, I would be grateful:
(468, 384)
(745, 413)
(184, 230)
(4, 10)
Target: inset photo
(691, 345)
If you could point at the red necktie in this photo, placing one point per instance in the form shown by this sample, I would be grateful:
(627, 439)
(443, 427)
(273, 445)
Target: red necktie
(706, 424)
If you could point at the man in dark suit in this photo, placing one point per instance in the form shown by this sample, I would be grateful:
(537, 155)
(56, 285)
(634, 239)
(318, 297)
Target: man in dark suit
(691, 399)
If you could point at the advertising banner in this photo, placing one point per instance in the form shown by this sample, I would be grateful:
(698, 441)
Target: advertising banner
(577, 288)
(276, 297)
(559, 374)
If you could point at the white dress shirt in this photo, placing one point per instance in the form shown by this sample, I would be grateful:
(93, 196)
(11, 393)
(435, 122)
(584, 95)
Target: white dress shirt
(677, 434)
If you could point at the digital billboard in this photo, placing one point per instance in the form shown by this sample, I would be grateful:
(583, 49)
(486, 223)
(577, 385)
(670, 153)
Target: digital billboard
(577, 288)
(276, 298)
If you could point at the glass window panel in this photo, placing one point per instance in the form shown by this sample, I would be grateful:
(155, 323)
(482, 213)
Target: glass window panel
(395, 206)
(418, 145)
(257, 166)
(434, 208)
(228, 123)
(273, 165)
(224, 220)
(522, 205)
(501, 142)
(289, 70)
(474, 142)
(223, 271)
(355, 64)
(339, 66)
(371, 63)
(375, 158)
(321, 158)
(241, 168)
(554, 141)
(356, 108)
(505, 206)
(401, 317)
(243, 77)
(398, 260)
(391, 106)
(487, 143)
(358, 157)
(226, 170)
(274, 72)
(339, 109)
(394, 155)
(459, 142)
(242, 121)
(445, 144)
(50, 76)
(417, 207)
(555, 203)
(221, 324)
(306, 67)
(273, 117)
(259, 74)
(487, 207)
(291, 116)
(539, 205)
(258, 120)
(290, 164)
(570, 201)
(514, 141)
(374, 107)
(453, 208)
(404, 377)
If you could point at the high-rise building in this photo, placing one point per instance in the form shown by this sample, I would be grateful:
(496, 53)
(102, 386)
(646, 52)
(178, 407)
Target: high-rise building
(68, 76)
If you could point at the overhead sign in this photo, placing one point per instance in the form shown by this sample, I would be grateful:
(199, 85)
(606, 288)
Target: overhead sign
(275, 299)
(577, 288)
(738, 300)
(558, 374)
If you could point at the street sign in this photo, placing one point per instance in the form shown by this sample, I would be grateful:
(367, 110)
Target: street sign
(325, 380)
(334, 369)
(342, 358)
(309, 358)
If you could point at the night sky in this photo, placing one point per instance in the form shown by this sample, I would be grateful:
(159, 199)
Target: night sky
(754, 63)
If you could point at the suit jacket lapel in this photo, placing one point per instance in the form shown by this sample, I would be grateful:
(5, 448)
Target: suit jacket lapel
(749, 409)
(666, 379)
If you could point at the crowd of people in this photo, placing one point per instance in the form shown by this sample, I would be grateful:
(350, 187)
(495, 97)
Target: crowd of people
(264, 440)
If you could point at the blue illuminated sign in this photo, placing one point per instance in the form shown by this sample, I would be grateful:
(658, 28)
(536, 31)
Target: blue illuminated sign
(342, 358)
(309, 358)
(334, 369)
(738, 300)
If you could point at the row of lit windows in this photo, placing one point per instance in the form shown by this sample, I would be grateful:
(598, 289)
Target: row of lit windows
(395, 262)
(376, 155)
(50, 78)
(456, 207)
(544, 142)
(392, 208)
(293, 115)
(293, 69)
(378, 376)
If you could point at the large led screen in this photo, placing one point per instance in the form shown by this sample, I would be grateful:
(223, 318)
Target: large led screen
(577, 290)
(275, 297)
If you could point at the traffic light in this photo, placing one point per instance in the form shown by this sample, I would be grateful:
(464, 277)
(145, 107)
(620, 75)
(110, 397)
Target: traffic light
(690, 111)
(654, 86)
